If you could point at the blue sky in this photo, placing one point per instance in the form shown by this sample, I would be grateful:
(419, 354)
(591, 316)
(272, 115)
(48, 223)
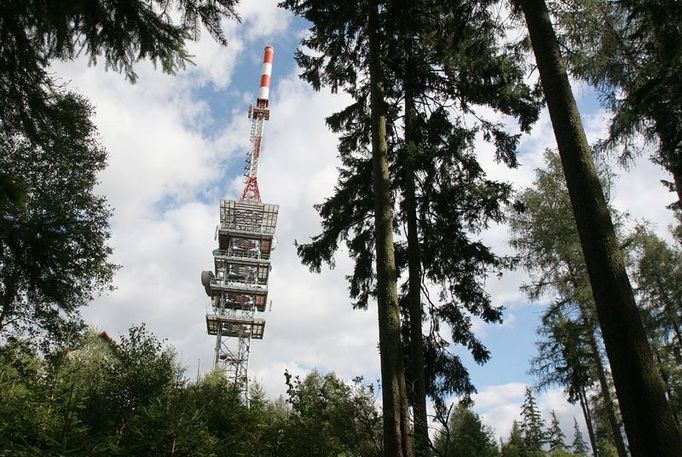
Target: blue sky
(176, 146)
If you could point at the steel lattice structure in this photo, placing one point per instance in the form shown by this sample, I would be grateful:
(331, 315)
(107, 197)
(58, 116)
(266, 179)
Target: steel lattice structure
(238, 285)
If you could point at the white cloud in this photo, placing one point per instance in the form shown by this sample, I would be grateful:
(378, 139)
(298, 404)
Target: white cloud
(214, 62)
(151, 130)
(262, 18)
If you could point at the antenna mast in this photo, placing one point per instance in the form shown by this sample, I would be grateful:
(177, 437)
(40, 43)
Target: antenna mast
(238, 286)
(258, 115)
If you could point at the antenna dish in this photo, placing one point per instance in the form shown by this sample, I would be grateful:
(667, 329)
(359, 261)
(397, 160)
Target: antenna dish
(206, 278)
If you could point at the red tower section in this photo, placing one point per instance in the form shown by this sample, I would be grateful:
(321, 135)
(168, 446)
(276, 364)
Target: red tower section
(258, 115)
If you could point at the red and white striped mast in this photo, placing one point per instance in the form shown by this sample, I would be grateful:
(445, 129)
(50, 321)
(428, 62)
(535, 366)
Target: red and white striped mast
(258, 115)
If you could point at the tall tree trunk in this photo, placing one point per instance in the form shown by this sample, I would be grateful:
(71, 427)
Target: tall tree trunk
(584, 405)
(588, 322)
(647, 415)
(421, 431)
(666, 381)
(397, 435)
(608, 400)
(587, 317)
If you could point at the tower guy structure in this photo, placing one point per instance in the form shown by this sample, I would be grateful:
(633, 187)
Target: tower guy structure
(238, 286)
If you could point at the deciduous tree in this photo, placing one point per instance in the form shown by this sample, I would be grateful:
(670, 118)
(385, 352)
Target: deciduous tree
(54, 255)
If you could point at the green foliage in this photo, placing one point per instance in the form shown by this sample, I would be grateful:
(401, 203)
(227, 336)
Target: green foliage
(564, 356)
(631, 52)
(35, 32)
(102, 398)
(22, 414)
(545, 236)
(560, 453)
(465, 436)
(167, 426)
(606, 449)
(520, 444)
(578, 446)
(54, 229)
(658, 275)
(330, 417)
(569, 350)
(555, 436)
(532, 424)
(455, 65)
(138, 373)
(515, 446)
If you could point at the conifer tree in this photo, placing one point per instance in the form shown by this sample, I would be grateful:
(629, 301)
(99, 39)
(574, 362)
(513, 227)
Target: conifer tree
(515, 445)
(630, 51)
(555, 436)
(532, 424)
(647, 416)
(578, 446)
(569, 352)
(565, 358)
(658, 275)
(352, 40)
(466, 436)
(442, 194)
(54, 229)
(397, 435)
(37, 32)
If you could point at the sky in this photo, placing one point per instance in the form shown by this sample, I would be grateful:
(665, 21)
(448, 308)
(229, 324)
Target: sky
(176, 146)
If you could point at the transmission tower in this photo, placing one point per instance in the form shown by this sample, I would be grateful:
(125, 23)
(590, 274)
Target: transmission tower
(238, 286)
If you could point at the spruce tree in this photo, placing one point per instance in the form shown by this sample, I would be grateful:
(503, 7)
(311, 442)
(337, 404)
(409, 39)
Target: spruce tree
(37, 32)
(532, 424)
(515, 446)
(397, 435)
(555, 436)
(578, 446)
(352, 40)
(466, 436)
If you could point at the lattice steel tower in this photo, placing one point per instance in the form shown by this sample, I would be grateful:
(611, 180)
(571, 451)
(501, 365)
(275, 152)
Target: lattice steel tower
(238, 286)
